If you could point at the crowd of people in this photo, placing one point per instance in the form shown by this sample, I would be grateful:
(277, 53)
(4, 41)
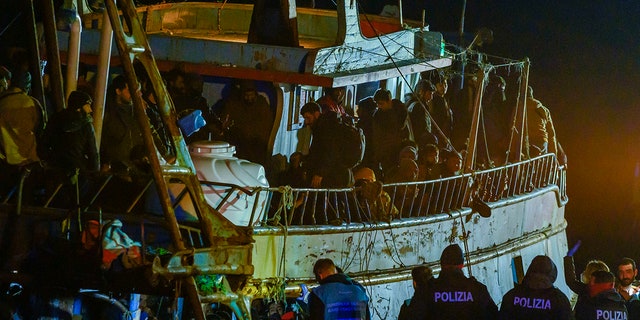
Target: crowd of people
(423, 138)
(599, 294)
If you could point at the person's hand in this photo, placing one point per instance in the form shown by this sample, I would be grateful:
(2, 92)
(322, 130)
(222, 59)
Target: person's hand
(316, 181)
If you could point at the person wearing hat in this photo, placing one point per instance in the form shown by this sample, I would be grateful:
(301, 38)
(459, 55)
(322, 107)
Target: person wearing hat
(22, 119)
(338, 296)
(455, 296)
(536, 297)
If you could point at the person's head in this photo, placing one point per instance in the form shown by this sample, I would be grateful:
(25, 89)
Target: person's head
(324, 268)
(337, 94)
(5, 78)
(382, 97)
(626, 271)
(592, 266)
(601, 281)
(454, 161)
(121, 90)
(541, 274)
(295, 159)
(22, 80)
(530, 92)
(366, 107)
(248, 91)
(429, 154)
(425, 89)
(442, 86)
(497, 86)
(310, 112)
(452, 257)
(364, 174)
(176, 81)
(421, 276)
(408, 152)
(80, 101)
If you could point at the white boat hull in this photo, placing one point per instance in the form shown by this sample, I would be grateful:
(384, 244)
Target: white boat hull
(380, 255)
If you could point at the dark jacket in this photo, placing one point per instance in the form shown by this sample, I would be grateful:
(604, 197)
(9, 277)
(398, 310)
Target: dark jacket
(339, 297)
(416, 306)
(577, 286)
(71, 142)
(391, 132)
(323, 159)
(454, 296)
(536, 298)
(120, 134)
(605, 305)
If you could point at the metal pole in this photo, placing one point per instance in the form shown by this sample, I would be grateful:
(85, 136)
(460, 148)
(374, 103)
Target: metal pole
(53, 55)
(102, 76)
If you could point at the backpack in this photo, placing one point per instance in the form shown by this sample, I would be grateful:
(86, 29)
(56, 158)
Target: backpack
(350, 143)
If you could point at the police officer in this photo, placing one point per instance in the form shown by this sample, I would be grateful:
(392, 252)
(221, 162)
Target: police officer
(536, 297)
(605, 302)
(338, 296)
(454, 296)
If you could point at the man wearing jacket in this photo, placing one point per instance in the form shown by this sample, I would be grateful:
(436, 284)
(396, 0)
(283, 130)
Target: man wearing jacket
(536, 297)
(454, 296)
(338, 296)
(604, 302)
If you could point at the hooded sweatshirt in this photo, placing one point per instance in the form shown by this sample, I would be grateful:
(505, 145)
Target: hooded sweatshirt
(536, 297)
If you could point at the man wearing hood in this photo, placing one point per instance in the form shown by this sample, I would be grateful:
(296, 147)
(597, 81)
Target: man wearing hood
(72, 139)
(536, 297)
(454, 296)
(338, 296)
(605, 302)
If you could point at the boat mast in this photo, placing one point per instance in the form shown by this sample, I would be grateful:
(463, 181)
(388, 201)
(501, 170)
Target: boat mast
(470, 158)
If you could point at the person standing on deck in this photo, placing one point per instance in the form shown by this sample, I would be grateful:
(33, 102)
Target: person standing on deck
(454, 296)
(391, 130)
(419, 114)
(250, 121)
(323, 164)
(542, 134)
(338, 296)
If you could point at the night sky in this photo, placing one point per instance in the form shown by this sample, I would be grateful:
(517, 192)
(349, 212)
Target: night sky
(585, 67)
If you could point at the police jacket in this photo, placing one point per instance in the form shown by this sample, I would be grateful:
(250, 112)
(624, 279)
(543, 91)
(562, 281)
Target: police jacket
(454, 296)
(605, 305)
(536, 297)
(339, 297)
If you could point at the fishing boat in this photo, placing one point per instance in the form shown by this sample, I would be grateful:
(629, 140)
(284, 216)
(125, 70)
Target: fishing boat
(232, 243)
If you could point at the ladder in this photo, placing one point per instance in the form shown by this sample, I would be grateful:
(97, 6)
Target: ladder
(226, 249)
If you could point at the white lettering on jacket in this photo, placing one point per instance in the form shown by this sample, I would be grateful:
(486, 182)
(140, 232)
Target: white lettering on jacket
(453, 296)
(610, 314)
(532, 303)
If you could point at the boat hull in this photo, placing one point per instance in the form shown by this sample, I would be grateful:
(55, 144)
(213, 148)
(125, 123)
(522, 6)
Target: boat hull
(381, 255)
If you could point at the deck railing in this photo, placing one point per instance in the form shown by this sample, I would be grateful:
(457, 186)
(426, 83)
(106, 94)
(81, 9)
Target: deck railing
(376, 202)
(366, 202)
